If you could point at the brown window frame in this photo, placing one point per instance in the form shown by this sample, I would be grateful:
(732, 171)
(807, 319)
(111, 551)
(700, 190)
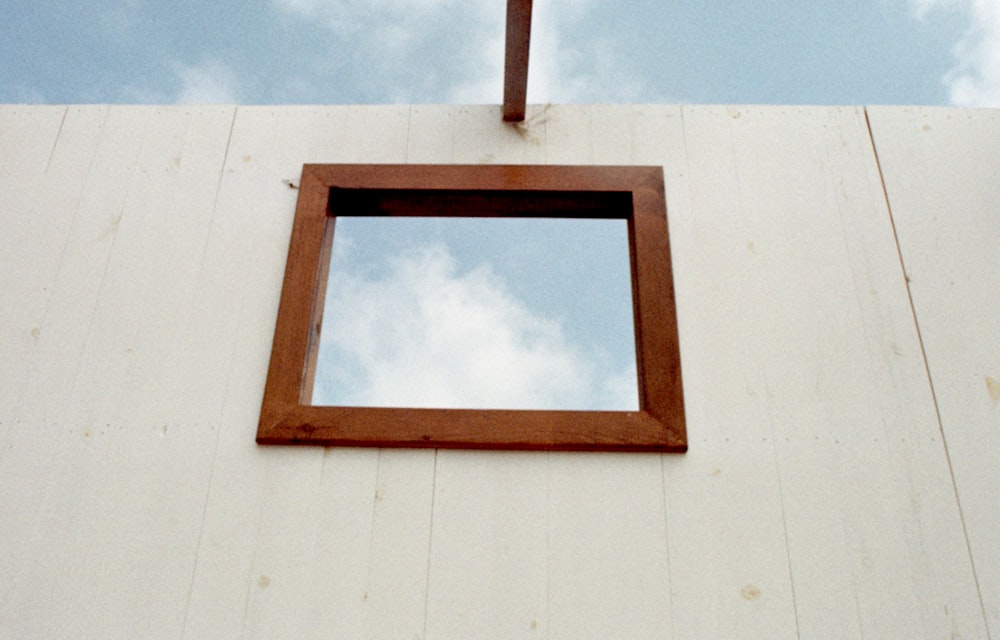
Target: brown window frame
(620, 192)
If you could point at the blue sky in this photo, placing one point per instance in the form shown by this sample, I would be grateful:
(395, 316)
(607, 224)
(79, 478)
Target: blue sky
(432, 51)
(516, 346)
(488, 313)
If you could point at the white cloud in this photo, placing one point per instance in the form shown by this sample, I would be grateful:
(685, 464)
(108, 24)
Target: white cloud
(210, 82)
(423, 334)
(484, 82)
(412, 50)
(566, 71)
(553, 75)
(974, 81)
(559, 70)
(453, 51)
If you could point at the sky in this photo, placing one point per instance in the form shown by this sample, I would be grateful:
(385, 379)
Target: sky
(932, 52)
(416, 307)
(516, 343)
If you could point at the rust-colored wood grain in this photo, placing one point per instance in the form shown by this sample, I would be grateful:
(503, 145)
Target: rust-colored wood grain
(515, 85)
(635, 194)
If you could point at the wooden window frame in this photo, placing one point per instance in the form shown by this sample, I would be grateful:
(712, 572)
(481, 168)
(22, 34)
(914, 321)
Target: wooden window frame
(635, 194)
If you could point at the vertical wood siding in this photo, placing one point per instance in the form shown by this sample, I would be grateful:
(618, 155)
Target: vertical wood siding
(839, 484)
(942, 178)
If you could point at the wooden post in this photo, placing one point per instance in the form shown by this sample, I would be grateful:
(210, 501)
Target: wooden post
(515, 86)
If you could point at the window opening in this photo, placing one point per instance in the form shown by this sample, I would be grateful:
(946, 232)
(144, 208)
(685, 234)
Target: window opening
(329, 194)
(478, 313)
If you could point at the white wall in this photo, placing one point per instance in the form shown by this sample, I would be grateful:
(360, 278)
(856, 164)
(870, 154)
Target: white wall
(843, 416)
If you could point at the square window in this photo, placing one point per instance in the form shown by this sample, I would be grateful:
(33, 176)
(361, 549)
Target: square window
(633, 194)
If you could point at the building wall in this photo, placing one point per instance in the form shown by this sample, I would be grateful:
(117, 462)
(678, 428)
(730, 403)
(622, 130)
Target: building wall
(836, 273)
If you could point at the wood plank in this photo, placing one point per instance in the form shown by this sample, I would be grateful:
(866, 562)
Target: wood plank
(942, 180)
(34, 441)
(518, 39)
(35, 215)
(816, 357)
(729, 565)
(608, 569)
(151, 455)
(488, 570)
(110, 456)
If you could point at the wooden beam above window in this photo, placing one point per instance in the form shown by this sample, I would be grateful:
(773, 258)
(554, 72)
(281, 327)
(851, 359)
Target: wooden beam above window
(515, 87)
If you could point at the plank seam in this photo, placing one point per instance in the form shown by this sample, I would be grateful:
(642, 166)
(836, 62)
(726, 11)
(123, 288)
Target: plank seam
(249, 581)
(68, 229)
(371, 534)
(430, 542)
(548, 539)
(927, 370)
(225, 396)
(55, 143)
(126, 191)
(666, 544)
(781, 503)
